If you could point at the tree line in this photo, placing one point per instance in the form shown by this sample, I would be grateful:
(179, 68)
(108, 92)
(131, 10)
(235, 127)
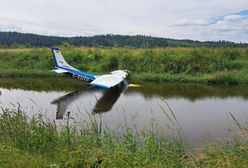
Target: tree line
(20, 40)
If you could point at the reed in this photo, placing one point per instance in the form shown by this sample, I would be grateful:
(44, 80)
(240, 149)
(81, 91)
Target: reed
(35, 142)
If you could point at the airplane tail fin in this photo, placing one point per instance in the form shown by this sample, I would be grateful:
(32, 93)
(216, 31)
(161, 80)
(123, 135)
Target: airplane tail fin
(59, 60)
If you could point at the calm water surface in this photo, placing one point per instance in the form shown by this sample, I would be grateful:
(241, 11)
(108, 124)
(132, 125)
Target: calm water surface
(199, 112)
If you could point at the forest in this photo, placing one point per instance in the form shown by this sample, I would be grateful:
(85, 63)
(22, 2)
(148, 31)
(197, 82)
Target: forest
(22, 40)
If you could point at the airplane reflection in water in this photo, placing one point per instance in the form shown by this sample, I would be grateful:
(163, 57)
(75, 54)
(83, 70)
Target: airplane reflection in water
(103, 104)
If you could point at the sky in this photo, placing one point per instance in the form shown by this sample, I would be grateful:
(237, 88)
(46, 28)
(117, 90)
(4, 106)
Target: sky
(203, 20)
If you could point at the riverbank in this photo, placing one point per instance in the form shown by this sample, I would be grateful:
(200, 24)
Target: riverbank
(227, 66)
(37, 143)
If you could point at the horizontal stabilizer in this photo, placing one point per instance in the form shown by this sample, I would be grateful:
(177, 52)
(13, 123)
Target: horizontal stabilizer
(60, 70)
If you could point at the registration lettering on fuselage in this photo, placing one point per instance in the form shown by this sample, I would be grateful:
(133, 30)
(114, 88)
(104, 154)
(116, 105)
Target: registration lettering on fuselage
(79, 77)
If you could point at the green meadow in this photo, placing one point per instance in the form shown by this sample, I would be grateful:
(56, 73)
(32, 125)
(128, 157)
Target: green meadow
(227, 66)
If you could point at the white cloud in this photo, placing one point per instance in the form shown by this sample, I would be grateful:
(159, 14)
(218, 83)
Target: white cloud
(174, 19)
(235, 23)
(232, 17)
(186, 22)
(10, 27)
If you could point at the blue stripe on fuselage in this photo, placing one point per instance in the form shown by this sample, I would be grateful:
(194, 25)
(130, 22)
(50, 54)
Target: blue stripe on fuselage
(90, 76)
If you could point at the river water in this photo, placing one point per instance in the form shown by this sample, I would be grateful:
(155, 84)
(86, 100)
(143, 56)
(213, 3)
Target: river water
(200, 113)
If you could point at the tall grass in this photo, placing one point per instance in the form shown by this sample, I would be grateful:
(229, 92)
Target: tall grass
(209, 65)
(36, 142)
(91, 147)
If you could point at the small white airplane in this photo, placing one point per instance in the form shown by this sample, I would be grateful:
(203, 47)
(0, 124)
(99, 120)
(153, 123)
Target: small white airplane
(103, 81)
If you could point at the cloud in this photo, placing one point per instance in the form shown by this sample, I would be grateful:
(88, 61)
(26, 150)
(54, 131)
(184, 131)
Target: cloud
(186, 22)
(235, 23)
(231, 18)
(10, 27)
(232, 27)
(196, 19)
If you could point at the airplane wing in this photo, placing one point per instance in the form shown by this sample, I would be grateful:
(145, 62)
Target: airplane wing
(110, 80)
(59, 70)
(120, 73)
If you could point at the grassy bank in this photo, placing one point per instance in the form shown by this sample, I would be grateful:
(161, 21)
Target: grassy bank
(202, 65)
(37, 143)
